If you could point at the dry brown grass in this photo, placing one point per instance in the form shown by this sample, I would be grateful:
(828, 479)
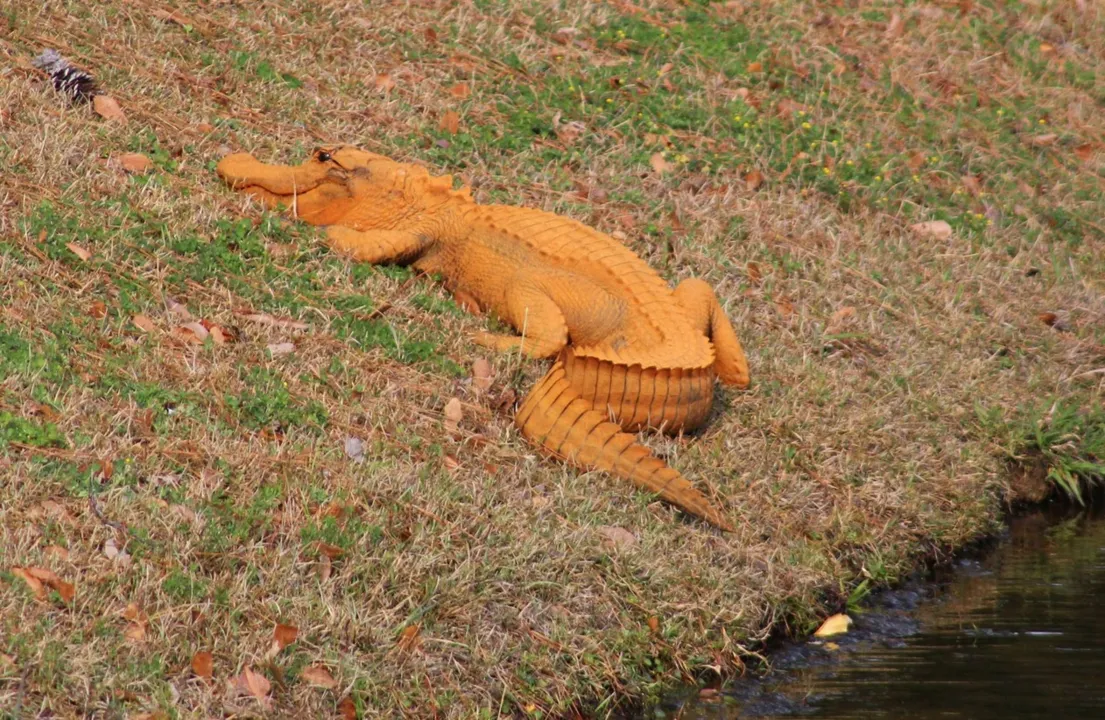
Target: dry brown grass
(857, 450)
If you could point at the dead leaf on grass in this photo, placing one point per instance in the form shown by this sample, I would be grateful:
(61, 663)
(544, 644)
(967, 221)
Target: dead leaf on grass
(1085, 152)
(354, 449)
(409, 637)
(937, 229)
(973, 185)
(450, 122)
(460, 91)
(135, 632)
(98, 310)
(49, 578)
(755, 67)
(838, 319)
(192, 332)
(1044, 140)
(174, 16)
(143, 323)
(135, 163)
(654, 624)
(108, 108)
(616, 537)
(113, 553)
(319, 676)
(659, 163)
(284, 348)
(255, 684)
(385, 83)
(57, 551)
(454, 413)
(481, 374)
(1054, 320)
(203, 664)
(347, 708)
(78, 251)
(33, 583)
(753, 180)
(282, 637)
(787, 108)
(895, 27)
(266, 319)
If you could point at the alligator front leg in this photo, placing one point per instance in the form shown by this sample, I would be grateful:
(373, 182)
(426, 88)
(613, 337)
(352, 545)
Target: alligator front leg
(706, 314)
(377, 246)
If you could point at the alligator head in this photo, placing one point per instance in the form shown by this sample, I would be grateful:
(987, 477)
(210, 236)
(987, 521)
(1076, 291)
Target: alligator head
(318, 190)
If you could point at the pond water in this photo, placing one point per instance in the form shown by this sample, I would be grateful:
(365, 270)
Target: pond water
(1018, 632)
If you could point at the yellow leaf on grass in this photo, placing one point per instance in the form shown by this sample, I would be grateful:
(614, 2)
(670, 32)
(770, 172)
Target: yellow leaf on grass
(834, 625)
(78, 251)
(106, 107)
(319, 676)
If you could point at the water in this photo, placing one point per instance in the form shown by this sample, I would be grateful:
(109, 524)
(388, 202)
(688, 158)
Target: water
(1019, 633)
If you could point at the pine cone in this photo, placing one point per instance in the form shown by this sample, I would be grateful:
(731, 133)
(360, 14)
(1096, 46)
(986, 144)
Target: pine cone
(76, 85)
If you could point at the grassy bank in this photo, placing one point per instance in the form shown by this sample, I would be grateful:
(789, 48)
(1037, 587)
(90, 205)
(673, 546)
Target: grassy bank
(200, 487)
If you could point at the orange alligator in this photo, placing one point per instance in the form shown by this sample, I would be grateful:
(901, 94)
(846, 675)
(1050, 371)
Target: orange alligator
(631, 353)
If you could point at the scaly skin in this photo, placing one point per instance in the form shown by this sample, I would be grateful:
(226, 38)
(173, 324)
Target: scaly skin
(631, 353)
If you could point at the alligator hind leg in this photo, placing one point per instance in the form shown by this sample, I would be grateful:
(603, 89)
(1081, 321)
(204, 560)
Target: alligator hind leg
(548, 305)
(377, 246)
(706, 313)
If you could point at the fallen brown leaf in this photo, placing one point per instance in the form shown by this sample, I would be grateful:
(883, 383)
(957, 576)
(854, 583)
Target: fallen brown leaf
(347, 708)
(454, 413)
(1044, 140)
(787, 108)
(1054, 320)
(278, 349)
(972, 184)
(255, 684)
(319, 676)
(57, 551)
(266, 319)
(450, 122)
(135, 632)
(97, 309)
(481, 374)
(654, 623)
(33, 583)
(192, 332)
(753, 180)
(174, 16)
(755, 275)
(48, 577)
(408, 637)
(203, 664)
(755, 67)
(460, 90)
(659, 163)
(385, 83)
(135, 163)
(284, 635)
(143, 323)
(895, 27)
(78, 251)
(938, 229)
(616, 537)
(106, 107)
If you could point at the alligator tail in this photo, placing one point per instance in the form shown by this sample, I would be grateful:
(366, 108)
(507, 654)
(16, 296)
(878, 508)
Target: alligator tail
(554, 416)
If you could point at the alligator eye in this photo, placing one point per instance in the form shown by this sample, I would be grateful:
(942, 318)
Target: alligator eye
(323, 156)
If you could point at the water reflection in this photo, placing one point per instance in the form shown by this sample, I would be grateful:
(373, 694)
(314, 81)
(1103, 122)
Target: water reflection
(1017, 634)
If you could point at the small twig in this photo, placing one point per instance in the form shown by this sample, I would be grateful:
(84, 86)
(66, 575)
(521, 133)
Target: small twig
(94, 504)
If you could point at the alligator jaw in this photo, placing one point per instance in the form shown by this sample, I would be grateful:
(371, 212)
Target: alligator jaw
(242, 170)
